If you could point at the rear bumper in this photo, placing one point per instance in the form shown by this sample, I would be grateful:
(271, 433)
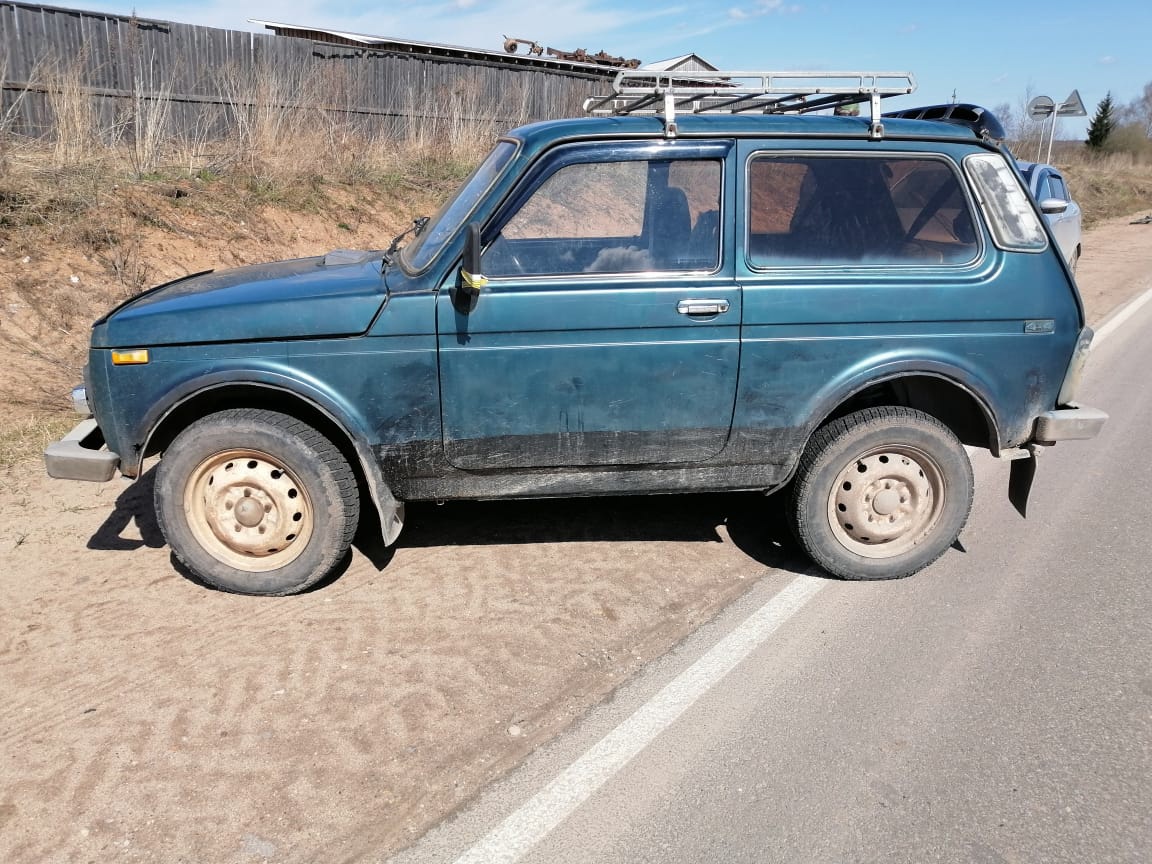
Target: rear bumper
(81, 455)
(1071, 423)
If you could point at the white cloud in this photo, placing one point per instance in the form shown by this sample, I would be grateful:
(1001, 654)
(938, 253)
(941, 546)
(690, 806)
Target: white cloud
(1106, 60)
(762, 7)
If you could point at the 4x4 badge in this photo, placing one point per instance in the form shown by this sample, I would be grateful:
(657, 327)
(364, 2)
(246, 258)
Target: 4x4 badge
(1041, 325)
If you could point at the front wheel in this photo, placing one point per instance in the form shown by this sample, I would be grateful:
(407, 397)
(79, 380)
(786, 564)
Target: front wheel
(256, 502)
(881, 493)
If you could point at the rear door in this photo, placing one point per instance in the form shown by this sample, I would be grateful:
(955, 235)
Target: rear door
(608, 333)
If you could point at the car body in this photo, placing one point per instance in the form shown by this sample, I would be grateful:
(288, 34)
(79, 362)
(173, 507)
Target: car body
(1050, 190)
(614, 305)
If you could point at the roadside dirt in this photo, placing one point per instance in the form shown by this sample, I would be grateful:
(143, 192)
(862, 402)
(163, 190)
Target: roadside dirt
(146, 718)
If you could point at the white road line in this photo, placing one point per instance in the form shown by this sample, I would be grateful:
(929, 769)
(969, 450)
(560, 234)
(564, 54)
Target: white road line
(516, 835)
(1113, 324)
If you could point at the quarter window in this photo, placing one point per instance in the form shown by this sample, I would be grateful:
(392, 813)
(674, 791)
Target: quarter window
(857, 210)
(1010, 214)
(614, 217)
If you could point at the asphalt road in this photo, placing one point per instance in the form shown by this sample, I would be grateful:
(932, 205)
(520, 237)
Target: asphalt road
(995, 708)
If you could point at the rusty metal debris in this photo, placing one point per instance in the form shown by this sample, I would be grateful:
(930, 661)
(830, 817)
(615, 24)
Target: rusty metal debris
(580, 55)
(512, 45)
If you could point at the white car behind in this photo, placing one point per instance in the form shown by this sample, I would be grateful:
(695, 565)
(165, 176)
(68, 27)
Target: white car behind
(1048, 187)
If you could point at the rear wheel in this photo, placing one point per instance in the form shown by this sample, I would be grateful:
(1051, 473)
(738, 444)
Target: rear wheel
(256, 502)
(881, 493)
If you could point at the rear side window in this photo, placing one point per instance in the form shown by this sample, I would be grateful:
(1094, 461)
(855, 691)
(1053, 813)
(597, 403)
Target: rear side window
(857, 210)
(1010, 214)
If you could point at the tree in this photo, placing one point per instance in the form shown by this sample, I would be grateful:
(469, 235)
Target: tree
(1103, 122)
(1139, 110)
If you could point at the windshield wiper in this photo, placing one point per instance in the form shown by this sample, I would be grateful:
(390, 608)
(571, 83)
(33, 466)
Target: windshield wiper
(417, 227)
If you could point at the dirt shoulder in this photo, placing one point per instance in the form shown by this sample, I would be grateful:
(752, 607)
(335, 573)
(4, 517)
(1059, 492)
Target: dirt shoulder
(146, 718)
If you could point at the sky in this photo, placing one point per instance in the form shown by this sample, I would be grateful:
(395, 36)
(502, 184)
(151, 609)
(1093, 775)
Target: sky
(984, 52)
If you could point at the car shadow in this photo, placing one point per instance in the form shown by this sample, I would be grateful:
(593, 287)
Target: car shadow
(756, 524)
(133, 505)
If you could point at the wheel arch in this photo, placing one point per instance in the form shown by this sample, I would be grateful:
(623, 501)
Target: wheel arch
(340, 430)
(938, 394)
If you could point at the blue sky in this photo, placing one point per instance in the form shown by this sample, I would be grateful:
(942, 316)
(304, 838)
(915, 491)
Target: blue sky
(988, 52)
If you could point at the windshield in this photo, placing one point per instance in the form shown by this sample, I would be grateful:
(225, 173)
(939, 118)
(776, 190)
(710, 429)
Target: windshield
(420, 253)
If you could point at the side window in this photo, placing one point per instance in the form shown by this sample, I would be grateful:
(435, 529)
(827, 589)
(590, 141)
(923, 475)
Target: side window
(859, 210)
(630, 216)
(1059, 190)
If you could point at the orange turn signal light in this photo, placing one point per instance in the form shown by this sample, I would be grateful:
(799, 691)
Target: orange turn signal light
(131, 357)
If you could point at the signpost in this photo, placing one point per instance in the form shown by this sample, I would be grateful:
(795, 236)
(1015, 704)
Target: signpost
(1041, 108)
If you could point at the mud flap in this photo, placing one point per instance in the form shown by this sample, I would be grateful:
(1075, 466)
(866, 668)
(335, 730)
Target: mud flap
(1020, 478)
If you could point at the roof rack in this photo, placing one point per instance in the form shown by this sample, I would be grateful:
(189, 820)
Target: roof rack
(646, 91)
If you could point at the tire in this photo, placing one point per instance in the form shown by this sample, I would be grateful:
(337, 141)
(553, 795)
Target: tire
(256, 502)
(881, 493)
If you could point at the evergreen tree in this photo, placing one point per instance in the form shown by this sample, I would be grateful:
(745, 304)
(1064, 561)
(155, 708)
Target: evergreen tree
(1103, 122)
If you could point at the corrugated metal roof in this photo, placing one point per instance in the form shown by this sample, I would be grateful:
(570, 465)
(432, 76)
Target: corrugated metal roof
(415, 46)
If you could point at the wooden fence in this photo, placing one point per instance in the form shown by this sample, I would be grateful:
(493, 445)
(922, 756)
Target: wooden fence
(212, 81)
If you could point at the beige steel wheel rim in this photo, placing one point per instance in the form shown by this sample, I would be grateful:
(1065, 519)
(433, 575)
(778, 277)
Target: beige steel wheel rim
(246, 509)
(886, 501)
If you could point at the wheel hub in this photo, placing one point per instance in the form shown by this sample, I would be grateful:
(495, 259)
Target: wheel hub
(884, 502)
(248, 511)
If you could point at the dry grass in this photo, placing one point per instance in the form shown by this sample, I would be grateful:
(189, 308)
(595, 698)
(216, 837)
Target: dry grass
(1109, 185)
(25, 438)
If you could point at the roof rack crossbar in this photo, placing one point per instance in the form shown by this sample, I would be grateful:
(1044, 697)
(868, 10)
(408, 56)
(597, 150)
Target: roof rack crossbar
(645, 91)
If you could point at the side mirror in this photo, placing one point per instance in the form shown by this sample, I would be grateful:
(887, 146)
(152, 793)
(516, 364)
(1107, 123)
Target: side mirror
(1053, 205)
(471, 279)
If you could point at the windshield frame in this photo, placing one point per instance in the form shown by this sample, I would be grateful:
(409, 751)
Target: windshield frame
(417, 257)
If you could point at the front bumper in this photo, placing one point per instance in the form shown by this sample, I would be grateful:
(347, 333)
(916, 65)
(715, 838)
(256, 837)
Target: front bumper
(1070, 423)
(81, 455)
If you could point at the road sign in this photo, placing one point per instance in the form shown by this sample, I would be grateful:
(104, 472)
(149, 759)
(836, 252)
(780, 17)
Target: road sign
(1041, 107)
(1073, 106)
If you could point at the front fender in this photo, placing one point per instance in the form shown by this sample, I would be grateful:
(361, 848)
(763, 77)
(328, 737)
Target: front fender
(302, 388)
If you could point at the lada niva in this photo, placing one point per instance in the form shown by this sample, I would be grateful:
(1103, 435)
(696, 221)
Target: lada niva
(705, 285)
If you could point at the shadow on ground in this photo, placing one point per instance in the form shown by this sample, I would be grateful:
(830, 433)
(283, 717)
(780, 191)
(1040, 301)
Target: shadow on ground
(755, 524)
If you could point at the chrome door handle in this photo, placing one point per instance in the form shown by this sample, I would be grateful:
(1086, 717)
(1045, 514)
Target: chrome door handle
(702, 307)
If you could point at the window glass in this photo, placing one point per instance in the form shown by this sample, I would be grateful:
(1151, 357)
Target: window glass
(614, 217)
(857, 210)
(1010, 215)
(420, 253)
(1059, 190)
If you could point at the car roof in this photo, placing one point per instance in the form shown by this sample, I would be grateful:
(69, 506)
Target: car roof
(736, 125)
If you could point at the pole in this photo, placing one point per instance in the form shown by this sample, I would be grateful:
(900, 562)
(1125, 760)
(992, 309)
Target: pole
(1052, 134)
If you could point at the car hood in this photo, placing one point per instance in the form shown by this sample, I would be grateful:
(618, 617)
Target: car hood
(335, 295)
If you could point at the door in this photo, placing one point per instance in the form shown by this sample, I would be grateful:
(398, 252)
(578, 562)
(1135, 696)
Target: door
(608, 333)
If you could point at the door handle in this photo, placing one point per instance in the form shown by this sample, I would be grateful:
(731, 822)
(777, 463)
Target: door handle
(702, 307)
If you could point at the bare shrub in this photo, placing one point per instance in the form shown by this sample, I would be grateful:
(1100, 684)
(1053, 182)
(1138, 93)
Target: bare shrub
(77, 133)
(149, 114)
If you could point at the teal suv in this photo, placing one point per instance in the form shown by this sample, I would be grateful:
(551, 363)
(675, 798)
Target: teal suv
(712, 284)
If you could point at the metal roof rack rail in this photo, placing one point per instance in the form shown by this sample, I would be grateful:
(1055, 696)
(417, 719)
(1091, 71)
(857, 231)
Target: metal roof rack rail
(646, 91)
